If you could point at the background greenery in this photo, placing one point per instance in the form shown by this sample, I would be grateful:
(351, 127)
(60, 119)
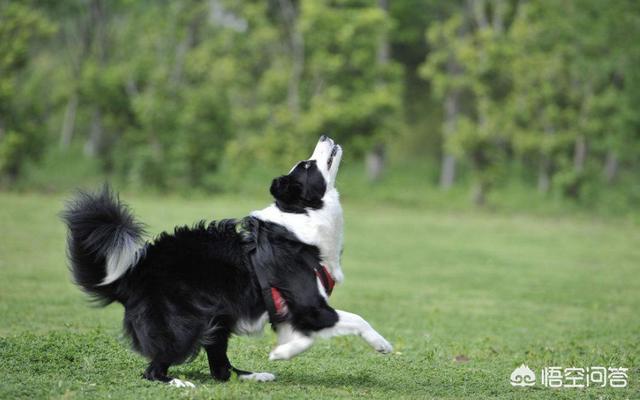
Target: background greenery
(485, 100)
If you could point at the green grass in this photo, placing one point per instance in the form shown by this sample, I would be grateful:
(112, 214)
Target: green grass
(500, 290)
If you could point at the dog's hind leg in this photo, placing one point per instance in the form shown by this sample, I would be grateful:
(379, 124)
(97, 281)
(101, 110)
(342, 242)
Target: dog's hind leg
(157, 371)
(219, 363)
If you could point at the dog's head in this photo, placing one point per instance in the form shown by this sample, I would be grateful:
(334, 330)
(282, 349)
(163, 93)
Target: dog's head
(310, 180)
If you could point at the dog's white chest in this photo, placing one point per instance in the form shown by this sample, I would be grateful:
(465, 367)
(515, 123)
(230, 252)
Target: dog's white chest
(322, 228)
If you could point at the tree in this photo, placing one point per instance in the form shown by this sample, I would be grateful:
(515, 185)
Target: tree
(353, 86)
(177, 90)
(318, 70)
(21, 139)
(540, 107)
(569, 94)
(472, 64)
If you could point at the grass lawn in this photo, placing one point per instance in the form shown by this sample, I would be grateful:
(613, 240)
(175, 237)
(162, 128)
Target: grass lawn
(465, 298)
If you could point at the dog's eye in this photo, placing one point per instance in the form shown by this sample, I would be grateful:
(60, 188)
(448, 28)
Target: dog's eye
(307, 165)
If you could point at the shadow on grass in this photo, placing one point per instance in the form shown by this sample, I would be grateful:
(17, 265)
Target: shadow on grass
(361, 381)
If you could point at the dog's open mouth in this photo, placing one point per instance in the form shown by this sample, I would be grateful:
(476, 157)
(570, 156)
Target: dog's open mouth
(334, 151)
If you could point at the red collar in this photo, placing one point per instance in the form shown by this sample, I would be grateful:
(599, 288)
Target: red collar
(280, 308)
(325, 277)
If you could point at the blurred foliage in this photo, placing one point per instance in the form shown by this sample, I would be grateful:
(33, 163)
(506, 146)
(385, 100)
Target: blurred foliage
(548, 83)
(197, 93)
(20, 140)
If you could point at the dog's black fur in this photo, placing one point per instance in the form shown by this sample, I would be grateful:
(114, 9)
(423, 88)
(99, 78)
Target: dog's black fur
(303, 188)
(189, 289)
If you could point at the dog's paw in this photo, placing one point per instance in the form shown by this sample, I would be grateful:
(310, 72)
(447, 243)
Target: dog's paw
(288, 350)
(180, 383)
(258, 377)
(379, 343)
(279, 353)
(384, 347)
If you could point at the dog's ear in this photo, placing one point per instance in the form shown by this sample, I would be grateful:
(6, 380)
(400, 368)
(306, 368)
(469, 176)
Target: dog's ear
(286, 189)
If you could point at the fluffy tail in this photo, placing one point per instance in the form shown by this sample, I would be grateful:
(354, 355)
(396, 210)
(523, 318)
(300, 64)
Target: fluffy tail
(104, 242)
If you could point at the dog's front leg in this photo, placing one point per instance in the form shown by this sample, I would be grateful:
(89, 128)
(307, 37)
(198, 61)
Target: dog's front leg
(290, 343)
(353, 324)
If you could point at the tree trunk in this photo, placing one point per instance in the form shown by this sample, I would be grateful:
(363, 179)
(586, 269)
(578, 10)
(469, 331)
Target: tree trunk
(375, 159)
(178, 64)
(384, 49)
(296, 50)
(451, 115)
(580, 154)
(69, 122)
(183, 48)
(98, 19)
(478, 9)
(580, 147)
(448, 166)
(375, 162)
(579, 158)
(480, 194)
(499, 11)
(85, 31)
(447, 171)
(451, 109)
(545, 163)
(93, 145)
(544, 174)
(480, 157)
(611, 167)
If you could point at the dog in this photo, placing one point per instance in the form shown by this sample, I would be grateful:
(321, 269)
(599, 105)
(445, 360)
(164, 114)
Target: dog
(196, 287)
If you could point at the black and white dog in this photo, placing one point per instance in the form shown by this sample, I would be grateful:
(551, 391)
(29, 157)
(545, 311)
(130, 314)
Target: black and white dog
(197, 286)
